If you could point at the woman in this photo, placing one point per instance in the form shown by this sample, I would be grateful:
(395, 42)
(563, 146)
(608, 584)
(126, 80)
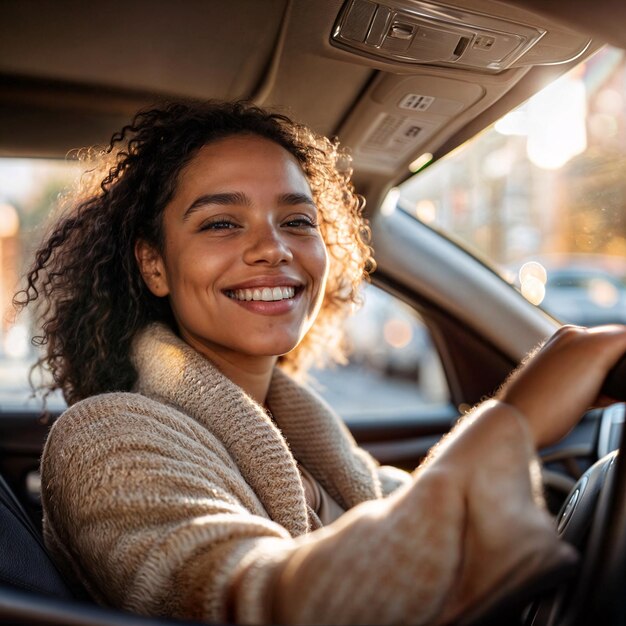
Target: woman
(191, 475)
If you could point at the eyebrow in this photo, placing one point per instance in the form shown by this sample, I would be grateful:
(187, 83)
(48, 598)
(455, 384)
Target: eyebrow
(292, 199)
(223, 199)
(236, 197)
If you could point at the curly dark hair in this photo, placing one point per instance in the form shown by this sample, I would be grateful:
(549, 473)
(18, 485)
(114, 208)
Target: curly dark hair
(91, 297)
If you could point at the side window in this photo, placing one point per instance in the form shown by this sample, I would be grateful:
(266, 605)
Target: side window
(393, 367)
(28, 191)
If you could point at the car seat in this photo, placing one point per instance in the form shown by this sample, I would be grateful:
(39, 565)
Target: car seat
(24, 561)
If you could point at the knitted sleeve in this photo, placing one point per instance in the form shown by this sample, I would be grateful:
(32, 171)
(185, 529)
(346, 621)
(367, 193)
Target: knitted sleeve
(146, 508)
(134, 509)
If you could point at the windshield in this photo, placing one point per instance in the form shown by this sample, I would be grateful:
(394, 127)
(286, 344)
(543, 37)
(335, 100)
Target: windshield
(541, 194)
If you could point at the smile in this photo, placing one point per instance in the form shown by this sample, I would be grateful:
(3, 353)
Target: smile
(264, 294)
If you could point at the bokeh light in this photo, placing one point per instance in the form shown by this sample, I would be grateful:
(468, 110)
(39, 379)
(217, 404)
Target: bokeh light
(603, 293)
(426, 211)
(533, 290)
(532, 278)
(397, 333)
(533, 269)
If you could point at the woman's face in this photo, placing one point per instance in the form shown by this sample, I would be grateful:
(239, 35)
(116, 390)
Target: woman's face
(244, 264)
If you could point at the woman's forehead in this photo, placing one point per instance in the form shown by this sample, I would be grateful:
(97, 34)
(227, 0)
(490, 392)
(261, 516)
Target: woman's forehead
(243, 147)
(242, 160)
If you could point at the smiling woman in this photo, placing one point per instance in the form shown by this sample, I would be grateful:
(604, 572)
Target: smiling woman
(192, 475)
(243, 220)
(127, 204)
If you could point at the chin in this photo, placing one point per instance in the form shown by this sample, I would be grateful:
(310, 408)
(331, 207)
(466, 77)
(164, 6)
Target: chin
(273, 348)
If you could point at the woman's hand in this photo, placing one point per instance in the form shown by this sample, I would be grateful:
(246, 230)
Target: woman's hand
(555, 386)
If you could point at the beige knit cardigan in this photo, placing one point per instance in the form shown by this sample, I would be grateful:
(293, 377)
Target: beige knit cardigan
(184, 499)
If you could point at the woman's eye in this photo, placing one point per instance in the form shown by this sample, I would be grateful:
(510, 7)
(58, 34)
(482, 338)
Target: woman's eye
(218, 225)
(301, 222)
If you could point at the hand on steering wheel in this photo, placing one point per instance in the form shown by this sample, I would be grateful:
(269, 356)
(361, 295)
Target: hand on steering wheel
(555, 386)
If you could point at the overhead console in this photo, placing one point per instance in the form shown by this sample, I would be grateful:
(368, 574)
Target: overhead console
(440, 66)
(401, 113)
(418, 32)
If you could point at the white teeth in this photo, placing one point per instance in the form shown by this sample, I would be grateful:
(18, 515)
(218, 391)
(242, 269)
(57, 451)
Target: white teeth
(266, 294)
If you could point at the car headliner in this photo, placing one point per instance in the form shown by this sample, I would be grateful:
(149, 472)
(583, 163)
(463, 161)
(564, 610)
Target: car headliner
(72, 72)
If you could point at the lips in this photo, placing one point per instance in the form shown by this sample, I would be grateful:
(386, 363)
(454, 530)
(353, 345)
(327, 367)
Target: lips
(262, 294)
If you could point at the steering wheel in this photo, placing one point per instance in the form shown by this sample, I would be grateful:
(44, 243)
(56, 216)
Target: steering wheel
(593, 519)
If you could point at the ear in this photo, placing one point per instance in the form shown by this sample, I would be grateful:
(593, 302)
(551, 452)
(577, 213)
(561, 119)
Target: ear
(151, 268)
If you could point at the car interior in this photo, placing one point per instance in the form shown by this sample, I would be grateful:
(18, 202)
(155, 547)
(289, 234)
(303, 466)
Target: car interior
(402, 84)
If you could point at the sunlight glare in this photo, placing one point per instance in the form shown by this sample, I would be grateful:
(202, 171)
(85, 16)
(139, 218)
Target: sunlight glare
(513, 123)
(389, 203)
(420, 162)
(16, 343)
(557, 123)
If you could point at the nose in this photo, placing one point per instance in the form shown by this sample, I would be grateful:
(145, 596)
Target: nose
(267, 246)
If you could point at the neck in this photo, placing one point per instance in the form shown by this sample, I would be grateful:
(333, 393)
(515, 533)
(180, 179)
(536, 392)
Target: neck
(252, 373)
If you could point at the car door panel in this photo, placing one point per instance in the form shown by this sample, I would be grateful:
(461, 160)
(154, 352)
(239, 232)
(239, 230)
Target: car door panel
(404, 438)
